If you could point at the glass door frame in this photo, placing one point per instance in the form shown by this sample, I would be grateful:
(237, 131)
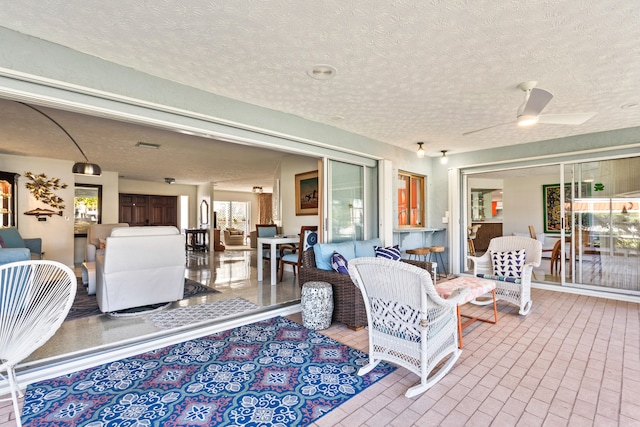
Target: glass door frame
(369, 192)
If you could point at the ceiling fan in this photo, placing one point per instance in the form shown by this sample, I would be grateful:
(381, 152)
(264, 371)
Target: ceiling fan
(535, 100)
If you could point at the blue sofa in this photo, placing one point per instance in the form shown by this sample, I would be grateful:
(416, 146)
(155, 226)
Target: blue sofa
(8, 255)
(11, 238)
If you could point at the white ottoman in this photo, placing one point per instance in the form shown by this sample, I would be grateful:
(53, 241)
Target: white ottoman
(317, 305)
(89, 276)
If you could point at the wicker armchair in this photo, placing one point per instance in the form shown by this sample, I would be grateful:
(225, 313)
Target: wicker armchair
(348, 305)
(518, 292)
(409, 323)
(233, 237)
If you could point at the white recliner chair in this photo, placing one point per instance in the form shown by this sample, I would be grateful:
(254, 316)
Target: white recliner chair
(140, 266)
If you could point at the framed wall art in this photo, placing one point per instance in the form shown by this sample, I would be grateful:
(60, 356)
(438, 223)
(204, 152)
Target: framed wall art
(552, 205)
(307, 193)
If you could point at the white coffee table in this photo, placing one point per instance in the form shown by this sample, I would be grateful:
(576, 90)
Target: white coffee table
(273, 243)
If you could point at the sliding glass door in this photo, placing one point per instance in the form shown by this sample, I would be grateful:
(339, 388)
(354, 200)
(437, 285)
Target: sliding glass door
(351, 212)
(586, 214)
(230, 214)
(602, 243)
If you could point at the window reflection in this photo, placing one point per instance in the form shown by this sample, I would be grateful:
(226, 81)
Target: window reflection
(410, 200)
(87, 207)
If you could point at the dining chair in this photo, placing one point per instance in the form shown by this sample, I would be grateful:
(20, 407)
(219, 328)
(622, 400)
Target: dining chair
(582, 247)
(267, 230)
(472, 233)
(292, 255)
(534, 235)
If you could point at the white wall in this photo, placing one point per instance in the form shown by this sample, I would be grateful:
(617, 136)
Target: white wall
(204, 192)
(522, 203)
(289, 167)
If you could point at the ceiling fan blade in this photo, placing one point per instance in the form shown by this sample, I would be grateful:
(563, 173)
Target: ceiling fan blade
(565, 119)
(538, 99)
(488, 127)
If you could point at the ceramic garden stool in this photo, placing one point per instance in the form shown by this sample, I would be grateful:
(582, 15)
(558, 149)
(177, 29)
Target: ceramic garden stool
(317, 305)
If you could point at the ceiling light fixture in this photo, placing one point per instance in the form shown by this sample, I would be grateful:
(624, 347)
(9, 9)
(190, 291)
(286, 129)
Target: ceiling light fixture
(170, 180)
(420, 152)
(322, 72)
(444, 159)
(147, 145)
(81, 168)
(527, 120)
(257, 190)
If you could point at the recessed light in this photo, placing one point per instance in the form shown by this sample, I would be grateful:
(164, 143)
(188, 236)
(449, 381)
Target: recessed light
(147, 145)
(322, 72)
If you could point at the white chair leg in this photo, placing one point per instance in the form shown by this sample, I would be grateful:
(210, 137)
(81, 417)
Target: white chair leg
(526, 308)
(368, 367)
(15, 392)
(426, 385)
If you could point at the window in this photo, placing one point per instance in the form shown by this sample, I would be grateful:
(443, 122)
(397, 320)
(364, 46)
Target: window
(232, 215)
(410, 200)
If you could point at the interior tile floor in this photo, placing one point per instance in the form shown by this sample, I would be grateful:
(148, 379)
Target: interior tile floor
(573, 361)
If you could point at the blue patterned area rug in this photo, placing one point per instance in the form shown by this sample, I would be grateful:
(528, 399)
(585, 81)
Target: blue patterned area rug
(269, 373)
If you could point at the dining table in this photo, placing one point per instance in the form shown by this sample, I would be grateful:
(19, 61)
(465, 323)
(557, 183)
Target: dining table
(273, 243)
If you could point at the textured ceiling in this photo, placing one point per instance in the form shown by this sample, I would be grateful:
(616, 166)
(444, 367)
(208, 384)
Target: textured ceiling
(407, 71)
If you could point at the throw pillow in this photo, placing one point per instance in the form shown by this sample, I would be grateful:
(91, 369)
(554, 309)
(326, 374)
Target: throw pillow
(339, 263)
(390, 252)
(310, 239)
(508, 264)
(324, 251)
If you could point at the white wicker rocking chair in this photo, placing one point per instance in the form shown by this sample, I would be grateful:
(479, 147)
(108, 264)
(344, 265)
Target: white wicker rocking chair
(518, 292)
(409, 323)
(35, 297)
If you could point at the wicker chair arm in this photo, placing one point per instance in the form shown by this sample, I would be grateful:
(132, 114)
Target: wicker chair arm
(482, 264)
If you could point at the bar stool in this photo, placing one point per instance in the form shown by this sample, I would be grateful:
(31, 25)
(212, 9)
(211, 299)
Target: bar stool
(437, 257)
(417, 253)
